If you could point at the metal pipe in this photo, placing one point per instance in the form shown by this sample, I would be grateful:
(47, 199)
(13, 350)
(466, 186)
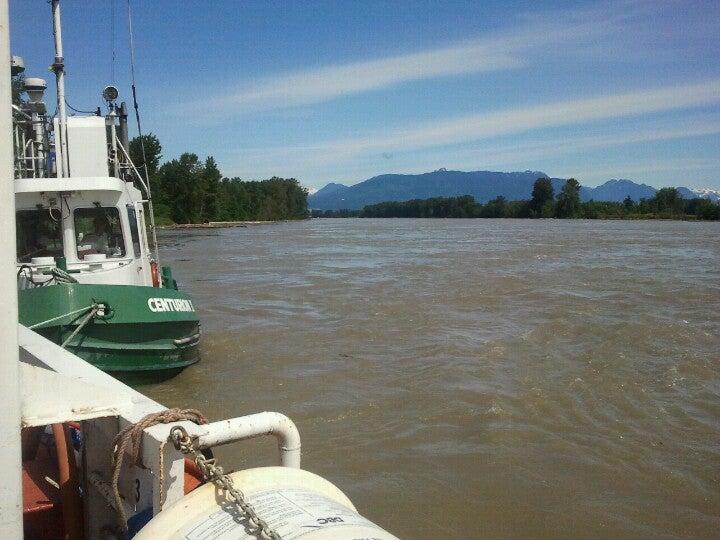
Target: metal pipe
(20, 111)
(59, 69)
(255, 425)
(11, 523)
(113, 147)
(137, 173)
(38, 126)
(124, 135)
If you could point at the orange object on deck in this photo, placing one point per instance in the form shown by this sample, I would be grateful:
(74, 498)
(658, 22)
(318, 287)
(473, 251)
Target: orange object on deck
(42, 509)
(193, 476)
(154, 274)
(68, 481)
(52, 507)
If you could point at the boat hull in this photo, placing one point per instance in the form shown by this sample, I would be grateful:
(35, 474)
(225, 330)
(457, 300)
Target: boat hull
(144, 329)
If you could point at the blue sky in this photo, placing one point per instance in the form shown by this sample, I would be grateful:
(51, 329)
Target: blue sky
(342, 91)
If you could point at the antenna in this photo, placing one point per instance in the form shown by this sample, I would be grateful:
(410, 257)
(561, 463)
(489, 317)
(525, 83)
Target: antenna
(140, 135)
(58, 67)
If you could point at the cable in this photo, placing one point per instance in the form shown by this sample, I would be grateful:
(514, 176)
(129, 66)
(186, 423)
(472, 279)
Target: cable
(50, 209)
(142, 143)
(95, 112)
(134, 92)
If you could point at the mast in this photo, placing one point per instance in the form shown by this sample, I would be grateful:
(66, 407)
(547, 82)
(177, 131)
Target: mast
(58, 67)
(10, 487)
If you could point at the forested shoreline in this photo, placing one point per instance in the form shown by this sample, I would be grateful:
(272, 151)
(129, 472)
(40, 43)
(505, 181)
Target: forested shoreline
(190, 190)
(666, 204)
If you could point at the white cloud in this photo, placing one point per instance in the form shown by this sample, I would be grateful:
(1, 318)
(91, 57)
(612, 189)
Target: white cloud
(535, 153)
(518, 120)
(431, 145)
(314, 86)
(508, 49)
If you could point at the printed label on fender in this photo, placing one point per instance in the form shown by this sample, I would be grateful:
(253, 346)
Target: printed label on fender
(169, 304)
(292, 513)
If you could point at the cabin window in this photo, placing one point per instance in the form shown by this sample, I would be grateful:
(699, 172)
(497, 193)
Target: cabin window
(132, 218)
(98, 231)
(38, 234)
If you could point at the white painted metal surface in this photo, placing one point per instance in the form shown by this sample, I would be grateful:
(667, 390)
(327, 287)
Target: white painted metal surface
(46, 399)
(143, 486)
(87, 145)
(297, 504)
(84, 183)
(58, 386)
(40, 352)
(10, 487)
(68, 194)
(254, 425)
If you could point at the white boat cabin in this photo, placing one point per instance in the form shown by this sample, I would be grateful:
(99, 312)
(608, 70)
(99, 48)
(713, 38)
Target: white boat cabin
(77, 205)
(97, 224)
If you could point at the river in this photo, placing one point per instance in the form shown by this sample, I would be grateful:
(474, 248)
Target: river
(472, 378)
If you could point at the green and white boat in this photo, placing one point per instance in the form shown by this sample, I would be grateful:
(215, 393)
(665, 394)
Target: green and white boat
(87, 275)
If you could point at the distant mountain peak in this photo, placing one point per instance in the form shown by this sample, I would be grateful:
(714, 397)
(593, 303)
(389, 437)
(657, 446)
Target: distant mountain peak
(482, 185)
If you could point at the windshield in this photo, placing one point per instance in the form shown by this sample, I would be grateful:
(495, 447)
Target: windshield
(38, 235)
(98, 231)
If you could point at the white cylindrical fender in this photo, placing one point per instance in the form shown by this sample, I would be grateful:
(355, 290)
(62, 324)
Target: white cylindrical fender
(293, 502)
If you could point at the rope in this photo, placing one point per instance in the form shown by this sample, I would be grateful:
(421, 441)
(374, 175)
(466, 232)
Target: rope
(129, 439)
(81, 310)
(61, 276)
(80, 326)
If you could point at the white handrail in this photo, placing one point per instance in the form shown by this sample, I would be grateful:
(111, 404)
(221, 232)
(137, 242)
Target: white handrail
(146, 187)
(255, 425)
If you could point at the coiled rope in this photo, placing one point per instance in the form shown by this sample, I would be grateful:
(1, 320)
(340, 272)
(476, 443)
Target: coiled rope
(130, 438)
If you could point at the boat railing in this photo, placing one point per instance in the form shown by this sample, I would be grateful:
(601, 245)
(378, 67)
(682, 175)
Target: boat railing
(59, 387)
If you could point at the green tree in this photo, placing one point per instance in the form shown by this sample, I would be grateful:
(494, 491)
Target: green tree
(568, 203)
(181, 184)
(211, 178)
(496, 208)
(188, 190)
(542, 194)
(628, 204)
(704, 209)
(669, 201)
(153, 153)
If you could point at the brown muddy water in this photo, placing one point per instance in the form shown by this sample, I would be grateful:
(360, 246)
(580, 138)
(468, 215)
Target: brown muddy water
(473, 378)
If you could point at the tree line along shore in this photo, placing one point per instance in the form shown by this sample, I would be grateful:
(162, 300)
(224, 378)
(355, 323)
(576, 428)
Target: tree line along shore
(666, 204)
(189, 191)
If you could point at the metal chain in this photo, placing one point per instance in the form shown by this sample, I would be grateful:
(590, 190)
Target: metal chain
(214, 473)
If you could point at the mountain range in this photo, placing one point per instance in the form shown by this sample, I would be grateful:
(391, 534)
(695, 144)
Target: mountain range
(483, 185)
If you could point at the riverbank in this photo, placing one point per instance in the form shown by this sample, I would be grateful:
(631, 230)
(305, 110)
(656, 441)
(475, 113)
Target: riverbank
(667, 204)
(217, 224)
